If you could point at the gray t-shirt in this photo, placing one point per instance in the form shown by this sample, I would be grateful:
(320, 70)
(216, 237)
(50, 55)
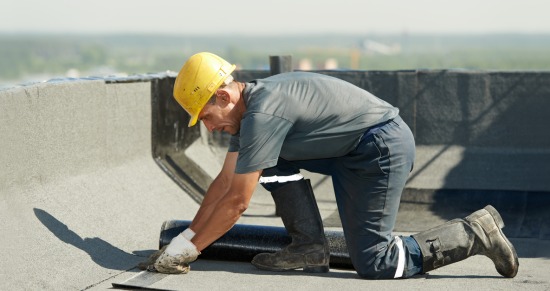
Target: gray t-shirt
(302, 116)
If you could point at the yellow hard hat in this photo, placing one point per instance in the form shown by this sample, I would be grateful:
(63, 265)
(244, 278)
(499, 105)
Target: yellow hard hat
(198, 80)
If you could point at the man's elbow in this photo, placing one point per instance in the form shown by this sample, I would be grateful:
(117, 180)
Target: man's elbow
(234, 203)
(240, 206)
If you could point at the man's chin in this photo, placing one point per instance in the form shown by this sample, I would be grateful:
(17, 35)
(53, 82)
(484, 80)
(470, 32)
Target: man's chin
(231, 130)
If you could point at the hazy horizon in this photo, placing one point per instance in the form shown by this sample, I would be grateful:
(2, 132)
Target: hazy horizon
(284, 17)
(75, 38)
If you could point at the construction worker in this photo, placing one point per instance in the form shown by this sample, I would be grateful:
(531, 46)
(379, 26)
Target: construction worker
(302, 120)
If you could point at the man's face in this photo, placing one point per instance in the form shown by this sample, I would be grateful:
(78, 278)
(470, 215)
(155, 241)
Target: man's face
(218, 118)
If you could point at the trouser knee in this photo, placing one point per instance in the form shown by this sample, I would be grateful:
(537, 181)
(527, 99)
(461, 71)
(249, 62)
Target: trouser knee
(402, 258)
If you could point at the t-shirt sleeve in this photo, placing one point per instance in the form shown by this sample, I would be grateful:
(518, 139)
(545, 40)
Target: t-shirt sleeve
(260, 142)
(234, 143)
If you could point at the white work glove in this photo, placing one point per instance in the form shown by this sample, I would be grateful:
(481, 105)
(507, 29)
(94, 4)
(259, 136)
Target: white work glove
(175, 257)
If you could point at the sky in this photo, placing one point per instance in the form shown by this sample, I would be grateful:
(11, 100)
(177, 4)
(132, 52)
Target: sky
(281, 17)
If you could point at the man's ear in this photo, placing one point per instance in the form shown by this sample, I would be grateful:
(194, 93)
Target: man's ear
(223, 95)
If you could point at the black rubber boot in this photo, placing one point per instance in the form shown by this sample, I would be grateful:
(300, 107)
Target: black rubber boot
(309, 248)
(479, 233)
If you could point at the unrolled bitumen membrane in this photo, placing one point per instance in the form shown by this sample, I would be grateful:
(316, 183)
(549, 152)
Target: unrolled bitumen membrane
(243, 242)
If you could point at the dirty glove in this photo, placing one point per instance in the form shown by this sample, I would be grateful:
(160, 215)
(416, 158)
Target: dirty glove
(148, 265)
(166, 262)
(177, 256)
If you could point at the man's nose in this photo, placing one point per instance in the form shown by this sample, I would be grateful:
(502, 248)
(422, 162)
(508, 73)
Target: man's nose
(208, 126)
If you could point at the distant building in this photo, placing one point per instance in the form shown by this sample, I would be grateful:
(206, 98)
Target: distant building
(374, 47)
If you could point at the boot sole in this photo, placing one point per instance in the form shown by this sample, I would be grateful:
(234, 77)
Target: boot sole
(500, 223)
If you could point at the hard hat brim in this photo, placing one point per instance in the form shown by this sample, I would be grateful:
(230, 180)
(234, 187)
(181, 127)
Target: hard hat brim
(193, 120)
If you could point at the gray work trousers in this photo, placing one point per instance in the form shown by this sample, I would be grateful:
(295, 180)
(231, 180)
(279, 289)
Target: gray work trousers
(368, 183)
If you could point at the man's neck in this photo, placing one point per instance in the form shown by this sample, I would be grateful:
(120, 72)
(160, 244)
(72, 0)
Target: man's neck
(240, 106)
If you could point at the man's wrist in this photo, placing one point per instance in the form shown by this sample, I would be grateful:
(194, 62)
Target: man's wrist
(179, 245)
(188, 234)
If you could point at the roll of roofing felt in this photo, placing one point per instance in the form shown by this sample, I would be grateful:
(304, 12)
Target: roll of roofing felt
(243, 242)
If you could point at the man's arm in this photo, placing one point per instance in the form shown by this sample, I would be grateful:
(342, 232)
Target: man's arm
(227, 210)
(217, 189)
(227, 198)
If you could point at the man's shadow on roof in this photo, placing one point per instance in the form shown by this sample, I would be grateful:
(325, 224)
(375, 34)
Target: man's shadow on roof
(102, 253)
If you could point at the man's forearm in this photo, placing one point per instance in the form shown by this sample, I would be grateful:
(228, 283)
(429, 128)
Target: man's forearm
(216, 191)
(228, 211)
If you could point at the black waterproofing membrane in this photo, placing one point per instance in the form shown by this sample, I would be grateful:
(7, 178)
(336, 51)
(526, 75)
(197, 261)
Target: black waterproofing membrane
(243, 242)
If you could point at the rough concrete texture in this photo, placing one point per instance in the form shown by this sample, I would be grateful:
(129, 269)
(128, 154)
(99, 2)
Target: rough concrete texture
(82, 202)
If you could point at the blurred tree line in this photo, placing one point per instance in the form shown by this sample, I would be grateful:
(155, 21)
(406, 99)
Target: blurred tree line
(55, 55)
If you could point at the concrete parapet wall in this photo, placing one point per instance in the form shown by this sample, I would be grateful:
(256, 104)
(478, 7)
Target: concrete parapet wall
(51, 131)
(466, 108)
(474, 130)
